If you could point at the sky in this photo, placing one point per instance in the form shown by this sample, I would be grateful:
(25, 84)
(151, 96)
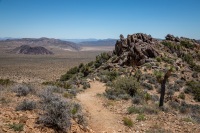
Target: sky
(81, 19)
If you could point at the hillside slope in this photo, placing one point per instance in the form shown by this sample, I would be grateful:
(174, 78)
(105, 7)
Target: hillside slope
(134, 73)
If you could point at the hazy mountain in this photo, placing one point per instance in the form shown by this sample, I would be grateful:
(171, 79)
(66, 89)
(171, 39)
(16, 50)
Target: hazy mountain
(104, 42)
(50, 42)
(80, 40)
(5, 38)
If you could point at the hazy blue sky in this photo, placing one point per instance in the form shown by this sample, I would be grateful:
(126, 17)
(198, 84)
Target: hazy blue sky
(99, 18)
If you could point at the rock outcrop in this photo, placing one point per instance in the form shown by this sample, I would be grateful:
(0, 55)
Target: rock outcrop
(136, 49)
(26, 49)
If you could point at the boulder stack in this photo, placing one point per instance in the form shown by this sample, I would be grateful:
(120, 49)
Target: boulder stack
(136, 49)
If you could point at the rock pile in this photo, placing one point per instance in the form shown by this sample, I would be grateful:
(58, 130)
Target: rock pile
(136, 49)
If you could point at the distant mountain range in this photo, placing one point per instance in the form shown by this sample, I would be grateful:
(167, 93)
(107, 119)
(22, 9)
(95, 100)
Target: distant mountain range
(71, 44)
(80, 40)
(50, 42)
(104, 42)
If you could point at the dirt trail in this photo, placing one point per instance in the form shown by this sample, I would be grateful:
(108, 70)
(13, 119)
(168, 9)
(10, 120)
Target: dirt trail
(101, 119)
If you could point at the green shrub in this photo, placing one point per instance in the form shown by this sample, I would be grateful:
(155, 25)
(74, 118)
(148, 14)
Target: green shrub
(141, 117)
(108, 75)
(188, 58)
(159, 75)
(188, 119)
(194, 88)
(123, 85)
(182, 95)
(147, 86)
(69, 74)
(68, 95)
(168, 60)
(17, 127)
(127, 122)
(86, 85)
(158, 59)
(103, 57)
(5, 82)
(133, 109)
(187, 44)
(171, 46)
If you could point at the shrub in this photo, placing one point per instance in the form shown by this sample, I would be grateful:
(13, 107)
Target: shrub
(69, 74)
(188, 58)
(127, 122)
(22, 90)
(5, 82)
(137, 99)
(187, 44)
(56, 111)
(124, 96)
(170, 92)
(147, 86)
(147, 96)
(158, 59)
(141, 117)
(155, 98)
(182, 95)
(123, 85)
(167, 60)
(171, 46)
(159, 75)
(103, 57)
(174, 105)
(108, 75)
(56, 89)
(17, 127)
(86, 85)
(188, 119)
(133, 109)
(194, 88)
(68, 95)
(26, 105)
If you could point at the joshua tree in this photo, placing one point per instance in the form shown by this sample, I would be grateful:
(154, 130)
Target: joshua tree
(162, 80)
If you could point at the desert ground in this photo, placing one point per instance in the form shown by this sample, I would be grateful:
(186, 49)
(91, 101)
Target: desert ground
(40, 68)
